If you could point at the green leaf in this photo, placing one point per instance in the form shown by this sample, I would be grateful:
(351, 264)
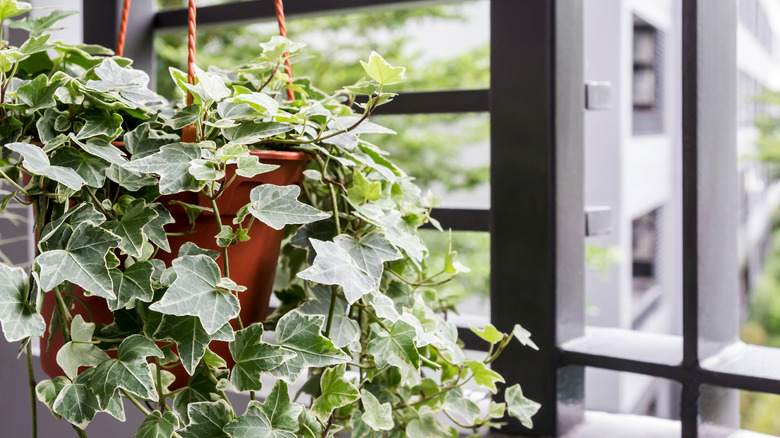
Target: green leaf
(76, 402)
(38, 94)
(12, 8)
(102, 148)
(36, 161)
(158, 425)
(143, 141)
(171, 164)
(38, 26)
(131, 226)
(131, 181)
(251, 132)
(101, 123)
(399, 232)
(275, 418)
(278, 206)
(213, 85)
(489, 333)
(370, 252)
(91, 169)
(35, 44)
(207, 420)
(47, 391)
(156, 228)
(254, 357)
(55, 234)
(20, 319)
(205, 170)
(363, 190)
(195, 292)
(250, 166)
(134, 283)
(343, 330)
(10, 57)
(129, 371)
(376, 416)
(336, 392)
(457, 403)
(427, 426)
(523, 336)
(83, 261)
(263, 103)
(301, 334)
(519, 406)
(484, 376)
(333, 265)
(277, 46)
(190, 337)
(184, 117)
(109, 71)
(381, 71)
(396, 347)
(79, 351)
(213, 359)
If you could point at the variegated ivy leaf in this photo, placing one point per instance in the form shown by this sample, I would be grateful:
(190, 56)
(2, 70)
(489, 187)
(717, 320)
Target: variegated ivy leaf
(13, 8)
(19, 318)
(343, 330)
(131, 227)
(38, 26)
(455, 402)
(523, 336)
(184, 116)
(250, 132)
(38, 94)
(76, 402)
(47, 391)
(129, 371)
(370, 252)
(190, 337)
(519, 406)
(376, 416)
(278, 206)
(484, 376)
(143, 141)
(250, 166)
(334, 265)
(111, 73)
(79, 351)
(277, 417)
(301, 334)
(171, 163)
(36, 161)
(92, 169)
(263, 103)
(278, 46)
(101, 123)
(158, 425)
(82, 262)
(156, 228)
(102, 148)
(254, 357)
(134, 283)
(207, 420)
(131, 181)
(55, 234)
(336, 391)
(196, 292)
(381, 71)
(212, 84)
(201, 387)
(490, 333)
(399, 232)
(395, 347)
(428, 426)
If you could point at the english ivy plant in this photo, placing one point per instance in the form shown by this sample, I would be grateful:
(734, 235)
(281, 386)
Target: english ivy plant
(360, 343)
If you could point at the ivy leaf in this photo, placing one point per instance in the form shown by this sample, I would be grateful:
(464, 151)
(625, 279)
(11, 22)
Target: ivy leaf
(427, 426)
(519, 406)
(91, 169)
(12, 8)
(190, 337)
(101, 123)
(79, 351)
(38, 94)
(76, 402)
(363, 190)
(134, 283)
(278, 206)
(184, 116)
(101, 148)
(213, 85)
(489, 333)
(381, 71)
(37, 26)
(155, 229)
(129, 180)
(343, 330)
(396, 347)
(20, 319)
(129, 371)
(143, 141)
(195, 292)
(370, 252)
(523, 336)
(399, 232)
(251, 132)
(456, 403)
(336, 392)
(130, 227)
(484, 376)
(277, 46)
(207, 420)
(55, 234)
(301, 334)
(82, 262)
(47, 391)
(254, 357)
(275, 418)
(333, 265)
(158, 425)
(36, 161)
(250, 166)
(376, 416)
(171, 163)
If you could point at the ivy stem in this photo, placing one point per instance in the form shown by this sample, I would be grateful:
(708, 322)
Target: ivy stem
(81, 433)
(327, 427)
(13, 183)
(225, 261)
(159, 386)
(64, 314)
(31, 380)
(135, 401)
(98, 204)
(333, 297)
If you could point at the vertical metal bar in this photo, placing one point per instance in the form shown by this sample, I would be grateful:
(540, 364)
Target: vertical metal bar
(101, 26)
(710, 268)
(537, 201)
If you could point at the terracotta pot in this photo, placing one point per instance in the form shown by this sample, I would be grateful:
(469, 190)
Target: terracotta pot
(252, 263)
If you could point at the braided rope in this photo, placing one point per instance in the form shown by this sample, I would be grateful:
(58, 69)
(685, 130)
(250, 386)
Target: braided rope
(283, 32)
(191, 47)
(120, 44)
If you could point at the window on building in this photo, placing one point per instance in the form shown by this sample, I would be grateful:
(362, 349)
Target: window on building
(647, 60)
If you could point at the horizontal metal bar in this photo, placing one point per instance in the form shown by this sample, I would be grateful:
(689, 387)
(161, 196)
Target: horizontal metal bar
(437, 102)
(461, 219)
(258, 10)
(743, 366)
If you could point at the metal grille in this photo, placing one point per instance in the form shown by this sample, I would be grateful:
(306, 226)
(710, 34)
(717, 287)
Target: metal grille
(536, 105)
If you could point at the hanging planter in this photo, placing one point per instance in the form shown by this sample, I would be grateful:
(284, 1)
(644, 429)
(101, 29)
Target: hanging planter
(155, 257)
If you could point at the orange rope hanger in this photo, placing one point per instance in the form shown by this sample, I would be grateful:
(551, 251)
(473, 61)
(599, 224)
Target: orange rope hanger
(191, 39)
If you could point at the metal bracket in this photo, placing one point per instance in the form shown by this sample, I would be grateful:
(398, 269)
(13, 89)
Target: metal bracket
(598, 96)
(598, 221)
